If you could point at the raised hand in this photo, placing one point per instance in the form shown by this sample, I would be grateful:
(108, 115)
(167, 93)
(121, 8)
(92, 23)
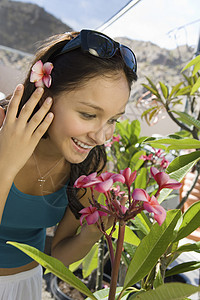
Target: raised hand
(20, 135)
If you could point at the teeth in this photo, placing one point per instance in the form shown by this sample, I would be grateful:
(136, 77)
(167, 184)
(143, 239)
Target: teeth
(81, 144)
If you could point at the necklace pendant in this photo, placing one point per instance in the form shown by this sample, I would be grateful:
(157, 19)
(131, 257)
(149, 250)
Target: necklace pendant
(41, 180)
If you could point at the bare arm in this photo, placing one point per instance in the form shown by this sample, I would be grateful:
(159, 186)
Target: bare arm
(19, 136)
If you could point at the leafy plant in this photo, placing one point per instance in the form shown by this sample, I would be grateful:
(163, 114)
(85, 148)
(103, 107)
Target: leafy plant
(154, 252)
(187, 117)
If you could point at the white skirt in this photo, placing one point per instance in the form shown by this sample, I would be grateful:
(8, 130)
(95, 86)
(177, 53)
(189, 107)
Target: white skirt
(22, 286)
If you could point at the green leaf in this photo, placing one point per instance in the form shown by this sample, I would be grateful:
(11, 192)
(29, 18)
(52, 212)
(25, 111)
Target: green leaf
(152, 84)
(146, 112)
(141, 179)
(55, 266)
(142, 223)
(183, 268)
(153, 91)
(188, 119)
(90, 262)
(191, 221)
(168, 291)
(151, 248)
(129, 236)
(158, 280)
(136, 162)
(196, 86)
(183, 91)
(103, 294)
(178, 168)
(181, 162)
(135, 128)
(196, 68)
(73, 267)
(175, 144)
(194, 61)
(121, 128)
(188, 247)
(164, 89)
(154, 113)
(183, 133)
(175, 89)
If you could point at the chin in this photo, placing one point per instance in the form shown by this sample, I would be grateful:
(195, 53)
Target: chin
(76, 159)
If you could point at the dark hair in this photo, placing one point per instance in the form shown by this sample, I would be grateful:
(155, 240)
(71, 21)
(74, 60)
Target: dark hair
(71, 71)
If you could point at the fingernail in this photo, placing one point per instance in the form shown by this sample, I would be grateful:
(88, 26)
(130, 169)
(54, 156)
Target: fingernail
(40, 90)
(50, 115)
(19, 87)
(49, 100)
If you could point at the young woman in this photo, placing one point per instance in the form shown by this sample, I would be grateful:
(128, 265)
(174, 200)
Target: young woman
(53, 131)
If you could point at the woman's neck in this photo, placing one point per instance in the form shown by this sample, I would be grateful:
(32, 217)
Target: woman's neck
(45, 172)
(46, 151)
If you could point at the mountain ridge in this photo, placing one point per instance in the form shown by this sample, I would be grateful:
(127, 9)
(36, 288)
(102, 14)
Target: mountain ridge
(23, 25)
(31, 24)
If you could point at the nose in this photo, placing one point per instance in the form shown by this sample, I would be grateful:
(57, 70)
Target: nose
(102, 134)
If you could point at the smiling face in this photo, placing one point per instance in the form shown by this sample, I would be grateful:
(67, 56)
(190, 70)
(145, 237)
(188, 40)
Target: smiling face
(86, 117)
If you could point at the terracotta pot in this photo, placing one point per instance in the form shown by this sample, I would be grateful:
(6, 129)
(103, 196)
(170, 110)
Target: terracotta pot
(193, 197)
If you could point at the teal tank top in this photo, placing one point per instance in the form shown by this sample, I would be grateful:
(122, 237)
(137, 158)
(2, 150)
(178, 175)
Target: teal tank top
(25, 219)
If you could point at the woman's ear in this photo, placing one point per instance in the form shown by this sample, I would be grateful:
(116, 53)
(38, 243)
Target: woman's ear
(2, 115)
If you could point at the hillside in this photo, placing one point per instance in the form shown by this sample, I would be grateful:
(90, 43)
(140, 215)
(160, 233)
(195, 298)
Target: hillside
(157, 63)
(23, 25)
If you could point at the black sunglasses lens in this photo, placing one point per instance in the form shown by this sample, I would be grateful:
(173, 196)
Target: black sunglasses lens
(99, 45)
(129, 57)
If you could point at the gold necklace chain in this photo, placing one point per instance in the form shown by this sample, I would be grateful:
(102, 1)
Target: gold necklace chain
(42, 179)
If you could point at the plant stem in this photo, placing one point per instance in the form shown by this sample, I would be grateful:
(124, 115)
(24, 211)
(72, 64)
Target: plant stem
(110, 246)
(115, 269)
(99, 278)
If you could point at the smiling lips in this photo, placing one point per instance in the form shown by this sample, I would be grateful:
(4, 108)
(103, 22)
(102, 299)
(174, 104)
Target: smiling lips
(82, 145)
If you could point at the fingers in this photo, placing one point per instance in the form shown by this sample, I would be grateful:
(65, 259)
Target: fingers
(2, 115)
(39, 115)
(40, 131)
(29, 106)
(14, 103)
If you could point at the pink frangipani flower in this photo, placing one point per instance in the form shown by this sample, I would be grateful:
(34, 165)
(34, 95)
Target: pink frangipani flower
(117, 191)
(164, 181)
(108, 144)
(129, 177)
(91, 214)
(106, 181)
(146, 157)
(150, 204)
(40, 74)
(164, 163)
(116, 138)
(154, 207)
(86, 181)
(140, 195)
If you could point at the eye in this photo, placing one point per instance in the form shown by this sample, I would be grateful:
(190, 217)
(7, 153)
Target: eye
(87, 116)
(113, 121)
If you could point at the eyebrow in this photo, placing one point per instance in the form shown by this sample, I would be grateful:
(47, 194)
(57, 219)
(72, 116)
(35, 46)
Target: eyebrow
(98, 107)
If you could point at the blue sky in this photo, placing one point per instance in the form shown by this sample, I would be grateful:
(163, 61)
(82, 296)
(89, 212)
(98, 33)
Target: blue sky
(163, 22)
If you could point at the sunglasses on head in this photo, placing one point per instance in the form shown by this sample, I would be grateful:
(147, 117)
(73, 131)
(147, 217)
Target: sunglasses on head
(100, 45)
